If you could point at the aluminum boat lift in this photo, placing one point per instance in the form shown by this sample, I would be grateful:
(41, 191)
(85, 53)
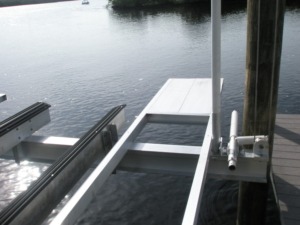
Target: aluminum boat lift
(179, 101)
(184, 101)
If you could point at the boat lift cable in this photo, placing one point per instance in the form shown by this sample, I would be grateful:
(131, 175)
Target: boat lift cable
(20, 202)
(16, 120)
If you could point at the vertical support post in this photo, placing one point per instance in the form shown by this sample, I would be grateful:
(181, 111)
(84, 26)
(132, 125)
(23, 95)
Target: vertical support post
(233, 145)
(216, 71)
(264, 43)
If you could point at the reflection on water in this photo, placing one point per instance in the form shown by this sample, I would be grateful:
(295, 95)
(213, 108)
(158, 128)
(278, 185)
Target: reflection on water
(17, 178)
(85, 60)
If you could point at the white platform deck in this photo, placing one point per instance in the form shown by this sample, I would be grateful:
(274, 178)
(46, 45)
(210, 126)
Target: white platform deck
(183, 97)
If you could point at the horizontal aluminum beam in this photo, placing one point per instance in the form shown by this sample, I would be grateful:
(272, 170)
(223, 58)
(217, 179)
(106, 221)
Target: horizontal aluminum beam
(161, 158)
(44, 149)
(157, 158)
(2, 97)
(138, 147)
(171, 159)
(49, 148)
(177, 119)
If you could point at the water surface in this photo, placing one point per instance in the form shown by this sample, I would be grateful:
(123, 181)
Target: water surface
(86, 59)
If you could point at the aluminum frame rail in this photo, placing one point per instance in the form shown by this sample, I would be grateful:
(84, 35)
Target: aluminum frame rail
(33, 206)
(216, 72)
(194, 201)
(16, 128)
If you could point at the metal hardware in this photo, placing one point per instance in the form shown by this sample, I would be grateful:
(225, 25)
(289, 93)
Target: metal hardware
(233, 145)
(261, 146)
(259, 143)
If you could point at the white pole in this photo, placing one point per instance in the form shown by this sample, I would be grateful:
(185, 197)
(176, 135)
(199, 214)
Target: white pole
(216, 71)
(233, 145)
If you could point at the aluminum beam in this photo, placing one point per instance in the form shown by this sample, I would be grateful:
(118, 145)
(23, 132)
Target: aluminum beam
(194, 201)
(177, 119)
(48, 149)
(161, 158)
(45, 149)
(155, 158)
(2, 97)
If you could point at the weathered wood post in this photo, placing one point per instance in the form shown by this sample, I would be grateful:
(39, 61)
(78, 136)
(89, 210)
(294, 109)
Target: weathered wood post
(264, 42)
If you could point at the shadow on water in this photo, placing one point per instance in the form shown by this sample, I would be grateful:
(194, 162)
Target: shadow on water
(193, 13)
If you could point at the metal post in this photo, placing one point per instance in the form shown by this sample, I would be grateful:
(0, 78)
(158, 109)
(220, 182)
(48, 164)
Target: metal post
(233, 145)
(216, 71)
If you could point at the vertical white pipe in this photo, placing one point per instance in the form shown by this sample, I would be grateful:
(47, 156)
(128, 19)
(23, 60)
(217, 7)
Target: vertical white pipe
(233, 145)
(216, 71)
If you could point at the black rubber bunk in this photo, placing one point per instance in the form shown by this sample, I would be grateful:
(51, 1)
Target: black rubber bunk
(16, 120)
(9, 213)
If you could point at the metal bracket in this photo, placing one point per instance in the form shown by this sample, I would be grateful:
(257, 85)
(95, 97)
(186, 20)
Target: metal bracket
(261, 146)
(109, 137)
(259, 143)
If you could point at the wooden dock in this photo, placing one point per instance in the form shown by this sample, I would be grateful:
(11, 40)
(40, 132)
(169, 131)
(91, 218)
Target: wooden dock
(286, 167)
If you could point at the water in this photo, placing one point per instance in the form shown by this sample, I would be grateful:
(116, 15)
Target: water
(84, 60)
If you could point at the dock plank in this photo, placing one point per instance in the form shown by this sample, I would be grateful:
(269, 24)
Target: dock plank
(286, 146)
(286, 167)
(286, 155)
(172, 96)
(286, 162)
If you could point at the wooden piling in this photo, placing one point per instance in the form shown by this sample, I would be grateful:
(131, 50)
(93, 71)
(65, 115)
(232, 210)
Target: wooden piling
(264, 43)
